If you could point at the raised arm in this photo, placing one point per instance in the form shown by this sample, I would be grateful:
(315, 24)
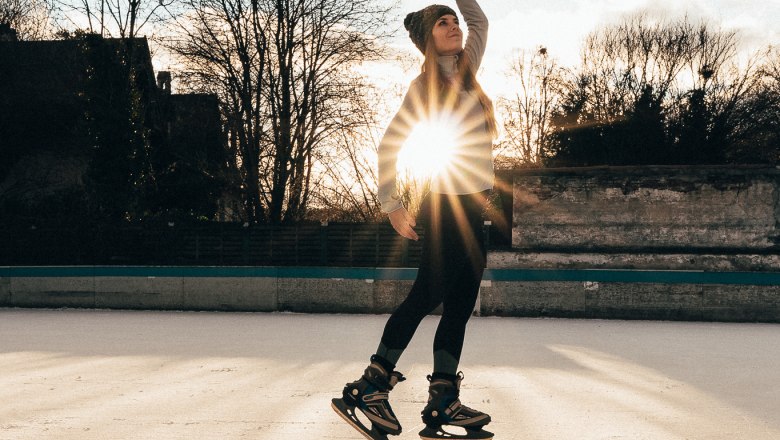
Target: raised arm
(477, 24)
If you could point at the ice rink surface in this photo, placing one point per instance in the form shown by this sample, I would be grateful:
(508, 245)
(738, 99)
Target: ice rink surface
(85, 374)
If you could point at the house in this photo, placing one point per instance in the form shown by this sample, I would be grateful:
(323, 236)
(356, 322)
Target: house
(85, 121)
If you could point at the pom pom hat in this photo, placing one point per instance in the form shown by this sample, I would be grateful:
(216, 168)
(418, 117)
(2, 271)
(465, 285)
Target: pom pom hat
(420, 23)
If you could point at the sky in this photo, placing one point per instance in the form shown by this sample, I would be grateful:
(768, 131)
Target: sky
(561, 25)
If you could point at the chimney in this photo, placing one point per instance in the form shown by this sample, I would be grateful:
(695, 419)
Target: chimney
(164, 81)
(7, 33)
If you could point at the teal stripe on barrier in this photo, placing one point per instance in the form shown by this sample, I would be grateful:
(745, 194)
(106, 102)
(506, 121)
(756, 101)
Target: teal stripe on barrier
(366, 273)
(635, 276)
(141, 271)
(401, 274)
(396, 273)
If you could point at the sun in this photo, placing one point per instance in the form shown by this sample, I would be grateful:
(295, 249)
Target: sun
(428, 150)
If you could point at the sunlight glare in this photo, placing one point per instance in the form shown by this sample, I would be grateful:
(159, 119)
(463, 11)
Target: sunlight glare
(428, 150)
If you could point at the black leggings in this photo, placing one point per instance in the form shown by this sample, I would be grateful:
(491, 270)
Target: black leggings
(453, 260)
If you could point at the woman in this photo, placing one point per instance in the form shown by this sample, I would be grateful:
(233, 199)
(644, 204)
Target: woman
(453, 255)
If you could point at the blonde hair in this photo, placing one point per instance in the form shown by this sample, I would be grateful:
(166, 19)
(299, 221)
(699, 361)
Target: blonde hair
(440, 94)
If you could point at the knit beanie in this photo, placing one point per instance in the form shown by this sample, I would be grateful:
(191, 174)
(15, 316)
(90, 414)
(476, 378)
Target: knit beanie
(420, 23)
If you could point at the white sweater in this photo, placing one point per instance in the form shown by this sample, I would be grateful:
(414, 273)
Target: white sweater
(470, 168)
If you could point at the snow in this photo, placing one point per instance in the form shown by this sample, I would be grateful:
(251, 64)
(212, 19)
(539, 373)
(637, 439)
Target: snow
(95, 374)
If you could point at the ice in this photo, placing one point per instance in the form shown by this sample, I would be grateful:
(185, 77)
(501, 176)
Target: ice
(98, 374)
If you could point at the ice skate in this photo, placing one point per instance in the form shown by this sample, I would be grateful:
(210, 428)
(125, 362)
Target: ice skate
(445, 410)
(368, 395)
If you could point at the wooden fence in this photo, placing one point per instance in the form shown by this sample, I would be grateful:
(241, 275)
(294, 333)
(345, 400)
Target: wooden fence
(334, 244)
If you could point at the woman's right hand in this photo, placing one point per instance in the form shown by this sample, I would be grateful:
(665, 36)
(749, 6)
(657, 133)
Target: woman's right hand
(403, 223)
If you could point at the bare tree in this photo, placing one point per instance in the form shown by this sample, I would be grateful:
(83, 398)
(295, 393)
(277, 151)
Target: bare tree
(771, 68)
(110, 18)
(29, 18)
(283, 69)
(624, 60)
(713, 51)
(655, 91)
(747, 106)
(527, 113)
(347, 185)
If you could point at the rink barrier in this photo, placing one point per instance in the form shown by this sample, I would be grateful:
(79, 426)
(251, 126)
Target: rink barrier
(403, 274)
(577, 293)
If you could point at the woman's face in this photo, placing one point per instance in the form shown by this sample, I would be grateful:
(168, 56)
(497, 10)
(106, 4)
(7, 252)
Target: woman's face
(447, 36)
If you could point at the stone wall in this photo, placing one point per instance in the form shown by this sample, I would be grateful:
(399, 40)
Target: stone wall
(630, 243)
(647, 209)
(506, 289)
(257, 289)
(689, 220)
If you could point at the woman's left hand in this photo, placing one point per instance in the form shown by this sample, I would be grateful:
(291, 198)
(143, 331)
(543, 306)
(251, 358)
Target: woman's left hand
(403, 223)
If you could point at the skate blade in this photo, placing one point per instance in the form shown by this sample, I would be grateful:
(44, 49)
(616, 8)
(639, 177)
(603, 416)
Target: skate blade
(348, 414)
(471, 434)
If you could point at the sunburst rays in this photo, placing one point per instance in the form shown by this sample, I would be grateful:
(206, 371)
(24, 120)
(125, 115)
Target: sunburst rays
(439, 144)
(441, 148)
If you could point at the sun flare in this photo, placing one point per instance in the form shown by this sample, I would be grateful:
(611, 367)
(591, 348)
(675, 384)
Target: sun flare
(428, 150)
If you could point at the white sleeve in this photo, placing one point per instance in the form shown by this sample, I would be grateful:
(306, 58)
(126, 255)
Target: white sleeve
(477, 24)
(396, 134)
